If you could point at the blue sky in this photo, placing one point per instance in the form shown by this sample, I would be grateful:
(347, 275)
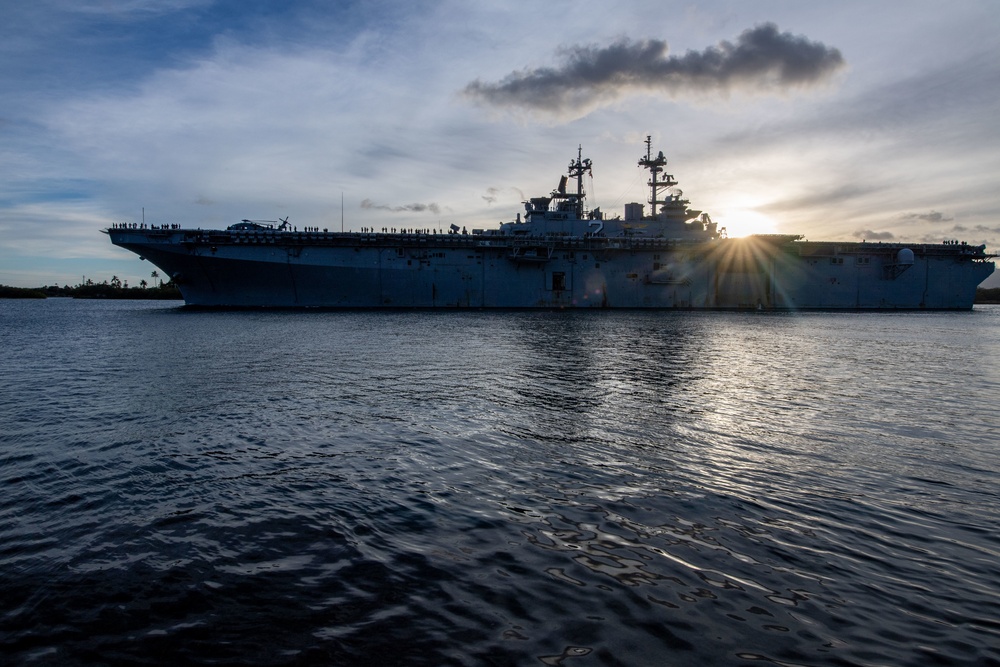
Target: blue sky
(836, 120)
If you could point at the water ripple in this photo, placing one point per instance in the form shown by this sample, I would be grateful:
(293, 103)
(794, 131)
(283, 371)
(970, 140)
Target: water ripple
(497, 488)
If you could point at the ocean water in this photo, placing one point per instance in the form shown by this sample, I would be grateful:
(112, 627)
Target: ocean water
(497, 488)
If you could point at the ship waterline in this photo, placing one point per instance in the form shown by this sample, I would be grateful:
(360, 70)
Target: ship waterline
(559, 256)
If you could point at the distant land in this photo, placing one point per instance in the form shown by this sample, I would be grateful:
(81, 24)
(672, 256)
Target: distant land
(109, 289)
(988, 295)
(114, 289)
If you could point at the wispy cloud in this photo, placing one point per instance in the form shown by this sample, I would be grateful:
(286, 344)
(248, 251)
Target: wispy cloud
(406, 208)
(982, 229)
(930, 216)
(763, 60)
(493, 194)
(870, 235)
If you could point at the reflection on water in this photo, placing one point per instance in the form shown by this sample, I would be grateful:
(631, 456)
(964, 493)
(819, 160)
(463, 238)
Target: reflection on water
(497, 488)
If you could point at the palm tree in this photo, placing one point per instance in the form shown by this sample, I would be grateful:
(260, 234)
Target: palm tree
(154, 275)
(143, 284)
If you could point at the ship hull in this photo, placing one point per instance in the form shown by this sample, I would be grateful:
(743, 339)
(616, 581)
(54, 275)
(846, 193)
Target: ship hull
(346, 270)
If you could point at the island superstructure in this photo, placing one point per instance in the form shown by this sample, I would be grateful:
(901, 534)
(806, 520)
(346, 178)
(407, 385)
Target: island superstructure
(559, 254)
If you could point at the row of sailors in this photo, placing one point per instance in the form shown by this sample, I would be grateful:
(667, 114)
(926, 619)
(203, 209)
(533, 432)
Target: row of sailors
(364, 230)
(393, 230)
(371, 230)
(141, 225)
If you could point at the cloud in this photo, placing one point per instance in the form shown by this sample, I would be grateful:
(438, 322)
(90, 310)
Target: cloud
(26, 230)
(762, 60)
(821, 198)
(418, 208)
(493, 194)
(982, 229)
(866, 234)
(932, 216)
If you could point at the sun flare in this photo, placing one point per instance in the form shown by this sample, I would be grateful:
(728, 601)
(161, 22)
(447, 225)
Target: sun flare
(744, 222)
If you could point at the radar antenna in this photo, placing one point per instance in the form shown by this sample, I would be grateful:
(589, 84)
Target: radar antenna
(577, 168)
(656, 165)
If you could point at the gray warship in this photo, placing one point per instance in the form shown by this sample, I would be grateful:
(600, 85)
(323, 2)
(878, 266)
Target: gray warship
(558, 255)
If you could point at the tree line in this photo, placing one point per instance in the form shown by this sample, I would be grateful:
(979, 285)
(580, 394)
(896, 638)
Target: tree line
(89, 289)
(988, 295)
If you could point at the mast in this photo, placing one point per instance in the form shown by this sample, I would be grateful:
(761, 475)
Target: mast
(655, 166)
(576, 170)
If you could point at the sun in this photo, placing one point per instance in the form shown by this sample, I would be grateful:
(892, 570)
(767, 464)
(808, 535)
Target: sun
(744, 222)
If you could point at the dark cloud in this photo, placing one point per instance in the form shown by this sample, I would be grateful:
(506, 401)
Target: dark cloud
(417, 208)
(866, 234)
(932, 216)
(762, 60)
